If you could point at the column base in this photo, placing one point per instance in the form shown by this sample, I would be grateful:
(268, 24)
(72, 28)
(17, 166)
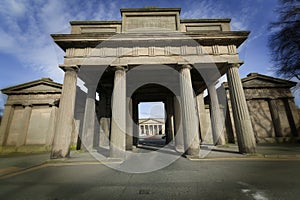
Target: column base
(192, 152)
(247, 142)
(58, 154)
(117, 153)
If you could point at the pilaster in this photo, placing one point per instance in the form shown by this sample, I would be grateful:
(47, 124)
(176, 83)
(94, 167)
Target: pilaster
(25, 124)
(275, 117)
(292, 115)
(5, 124)
(51, 125)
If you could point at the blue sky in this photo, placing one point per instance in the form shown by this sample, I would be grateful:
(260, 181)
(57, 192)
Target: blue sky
(27, 52)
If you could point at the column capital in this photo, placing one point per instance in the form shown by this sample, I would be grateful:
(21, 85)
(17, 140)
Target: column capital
(69, 67)
(117, 67)
(184, 65)
(230, 65)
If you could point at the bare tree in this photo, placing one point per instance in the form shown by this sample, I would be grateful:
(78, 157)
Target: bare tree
(284, 41)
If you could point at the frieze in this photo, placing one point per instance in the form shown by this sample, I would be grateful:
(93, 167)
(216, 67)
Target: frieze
(151, 51)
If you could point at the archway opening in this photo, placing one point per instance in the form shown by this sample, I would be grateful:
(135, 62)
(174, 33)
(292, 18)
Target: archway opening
(152, 123)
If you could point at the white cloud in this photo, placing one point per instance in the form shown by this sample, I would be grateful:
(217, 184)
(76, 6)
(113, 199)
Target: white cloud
(27, 25)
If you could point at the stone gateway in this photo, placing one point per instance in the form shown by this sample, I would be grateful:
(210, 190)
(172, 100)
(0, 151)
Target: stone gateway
(150, 55)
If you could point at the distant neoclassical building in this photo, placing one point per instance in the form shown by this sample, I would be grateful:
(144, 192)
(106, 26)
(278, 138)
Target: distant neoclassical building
(152, 126)
(150, 55)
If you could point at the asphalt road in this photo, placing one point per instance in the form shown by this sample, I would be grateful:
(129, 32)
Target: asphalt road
(184, 179)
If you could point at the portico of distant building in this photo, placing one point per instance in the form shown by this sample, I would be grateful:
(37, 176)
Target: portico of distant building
(152, 126)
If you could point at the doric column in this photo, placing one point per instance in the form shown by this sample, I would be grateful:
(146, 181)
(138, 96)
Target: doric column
(189, 113)
(88, 128)
(216, 118)
(5, 123)
(25, 124)
(118, 124)
(242, 121)
(64, 125)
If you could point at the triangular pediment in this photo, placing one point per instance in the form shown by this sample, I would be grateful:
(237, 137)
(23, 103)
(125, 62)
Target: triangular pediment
(255, 80)
(151, 121)
(44, 85)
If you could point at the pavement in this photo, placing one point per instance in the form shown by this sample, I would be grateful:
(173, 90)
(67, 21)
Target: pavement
(14, 164)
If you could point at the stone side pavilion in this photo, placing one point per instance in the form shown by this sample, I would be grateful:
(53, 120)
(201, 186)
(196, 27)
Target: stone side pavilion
(150, 55)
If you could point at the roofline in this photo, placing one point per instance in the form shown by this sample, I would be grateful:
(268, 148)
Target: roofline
(206, 20)
(250, 76)
(254, 75)
(203, 37)
(149, 9)
(45, 80)
(101, 22)
(96, 22)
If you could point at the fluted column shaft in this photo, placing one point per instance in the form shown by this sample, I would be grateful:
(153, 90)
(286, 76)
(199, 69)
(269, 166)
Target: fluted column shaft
(242, 121)
(88, 127)
(215, 114)
(64, 125)
(118, 124)
(189, 113)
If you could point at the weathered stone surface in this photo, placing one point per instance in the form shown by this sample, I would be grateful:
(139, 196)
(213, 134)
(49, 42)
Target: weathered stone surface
(65, 121)
(27, 118)
(189, 114)
(217, 121)
(243, 127)
(205, 44)
(272, 110)
(118, 124)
